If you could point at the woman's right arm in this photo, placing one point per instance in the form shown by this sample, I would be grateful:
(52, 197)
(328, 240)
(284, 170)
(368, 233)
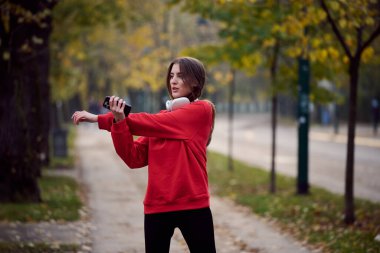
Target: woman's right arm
(133, 153)
(104, 120)
(84, 116)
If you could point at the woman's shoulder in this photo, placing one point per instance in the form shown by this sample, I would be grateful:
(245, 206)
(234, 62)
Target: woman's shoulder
(204, 102)
(207, 104)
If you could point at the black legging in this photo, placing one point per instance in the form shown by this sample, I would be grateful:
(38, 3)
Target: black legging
(196, 227)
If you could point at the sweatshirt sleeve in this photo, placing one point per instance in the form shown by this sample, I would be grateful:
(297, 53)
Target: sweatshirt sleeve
(133, 152)
(105, 121)
(182, 123)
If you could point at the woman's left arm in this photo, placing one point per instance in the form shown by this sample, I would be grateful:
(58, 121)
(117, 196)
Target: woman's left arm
(133, 152)
(182, 123)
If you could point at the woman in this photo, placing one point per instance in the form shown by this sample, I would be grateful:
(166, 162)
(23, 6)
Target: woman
(173, 144)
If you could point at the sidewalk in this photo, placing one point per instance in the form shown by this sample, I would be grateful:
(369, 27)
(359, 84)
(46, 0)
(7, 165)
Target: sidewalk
(116, 193)
(115, 219)
(363, 135)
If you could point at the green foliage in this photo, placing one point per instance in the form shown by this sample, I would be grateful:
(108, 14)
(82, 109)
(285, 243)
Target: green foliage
(316, 218)
(128, 47)
(113, 46)
(60, 201)
(253, 29)
(74, 44)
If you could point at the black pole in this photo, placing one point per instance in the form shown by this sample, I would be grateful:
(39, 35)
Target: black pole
(303, 126)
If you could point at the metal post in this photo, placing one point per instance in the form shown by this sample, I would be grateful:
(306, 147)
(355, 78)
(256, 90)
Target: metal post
(303, 126)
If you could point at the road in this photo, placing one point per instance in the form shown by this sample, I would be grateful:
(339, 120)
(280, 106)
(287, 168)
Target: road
(327, 152)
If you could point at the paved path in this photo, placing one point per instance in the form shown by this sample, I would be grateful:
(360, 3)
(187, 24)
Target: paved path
(113, 218)
(115, 195)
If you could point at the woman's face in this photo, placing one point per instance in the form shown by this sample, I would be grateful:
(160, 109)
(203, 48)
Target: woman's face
(177, 85)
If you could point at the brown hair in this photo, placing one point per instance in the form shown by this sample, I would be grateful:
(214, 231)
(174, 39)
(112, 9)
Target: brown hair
(193, 73)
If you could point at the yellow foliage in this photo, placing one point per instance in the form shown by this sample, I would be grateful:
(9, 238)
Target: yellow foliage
(367, 54)
(327, 37)
(313, 56)
(294, 52)
(304, 45)
(249, 63)
(294, 26)
(369, 21)
(321, 14)
(316, 42)
(210, 89)
(66, 63)
(278, 29)
(334, 5)
(80, 55)
(223, 78)
(343, 22)
(350, 42)
(141, 38)
(322, 55)
(121, 3)
(265, 14)
(333, 53)
(345, 59)
(269, 42)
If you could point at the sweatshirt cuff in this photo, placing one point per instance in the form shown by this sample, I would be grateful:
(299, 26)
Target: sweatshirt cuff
(105, 121)
(119, 127)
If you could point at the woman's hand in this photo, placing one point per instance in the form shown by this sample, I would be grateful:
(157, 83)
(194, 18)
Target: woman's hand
(117, 108)
(84, 116)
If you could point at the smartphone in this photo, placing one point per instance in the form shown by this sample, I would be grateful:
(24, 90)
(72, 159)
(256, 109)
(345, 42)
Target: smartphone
(106, 104)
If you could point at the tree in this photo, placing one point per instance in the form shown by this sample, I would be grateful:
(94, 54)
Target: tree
(25, 30)
(24, 97)
(124, 56)
(252, 32)
(356, 24)
(80, 55)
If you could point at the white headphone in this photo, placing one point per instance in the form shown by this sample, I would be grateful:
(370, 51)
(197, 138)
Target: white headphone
(174, 104)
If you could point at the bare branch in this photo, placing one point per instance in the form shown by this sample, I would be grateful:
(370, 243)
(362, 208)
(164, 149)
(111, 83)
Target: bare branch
(371, 38)
(335, 29)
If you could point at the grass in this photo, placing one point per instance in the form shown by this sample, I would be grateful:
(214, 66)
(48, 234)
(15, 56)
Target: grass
(61, 202)
(316, 219)
(37, 248)
(60, 198)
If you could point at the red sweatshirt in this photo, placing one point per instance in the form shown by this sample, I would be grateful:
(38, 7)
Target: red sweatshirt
(173, 145)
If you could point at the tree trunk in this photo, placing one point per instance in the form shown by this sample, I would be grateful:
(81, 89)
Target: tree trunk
(24, 99)
(273, 73)
(353, 72)
(350, 159)
(273, 163)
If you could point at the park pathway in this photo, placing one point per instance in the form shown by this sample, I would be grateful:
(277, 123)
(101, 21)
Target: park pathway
(115, 193)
